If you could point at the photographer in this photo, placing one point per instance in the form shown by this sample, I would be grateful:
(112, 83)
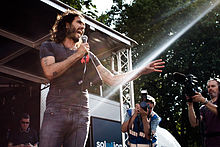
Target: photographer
(64, 61)
(141, 123)
(209, 113)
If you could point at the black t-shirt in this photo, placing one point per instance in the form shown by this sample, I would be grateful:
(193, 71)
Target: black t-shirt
(67, 88)
(218, 103)
(21, 137)
(211, 124)
(75, 73)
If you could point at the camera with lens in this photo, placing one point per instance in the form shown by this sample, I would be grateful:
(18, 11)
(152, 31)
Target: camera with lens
(144, 106)
(189, 82)
(144, 100)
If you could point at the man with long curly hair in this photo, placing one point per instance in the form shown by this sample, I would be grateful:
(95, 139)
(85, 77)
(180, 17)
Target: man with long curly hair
(66, 118)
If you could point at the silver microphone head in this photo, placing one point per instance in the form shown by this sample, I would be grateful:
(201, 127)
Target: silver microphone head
(84, 38)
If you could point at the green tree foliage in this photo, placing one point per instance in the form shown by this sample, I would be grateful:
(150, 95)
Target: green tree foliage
(154, 22)
(86, 6)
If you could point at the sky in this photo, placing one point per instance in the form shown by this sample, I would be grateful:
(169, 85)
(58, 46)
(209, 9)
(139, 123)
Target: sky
(103, 5)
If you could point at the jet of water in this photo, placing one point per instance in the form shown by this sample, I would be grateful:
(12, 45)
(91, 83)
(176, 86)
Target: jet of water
(157, 51)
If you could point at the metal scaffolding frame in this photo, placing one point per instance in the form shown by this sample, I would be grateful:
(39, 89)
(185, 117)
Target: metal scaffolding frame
(124, 64)
(20, 44)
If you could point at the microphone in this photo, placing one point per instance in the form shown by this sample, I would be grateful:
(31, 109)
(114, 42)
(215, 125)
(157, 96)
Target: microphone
(84, 38)
(85, 58)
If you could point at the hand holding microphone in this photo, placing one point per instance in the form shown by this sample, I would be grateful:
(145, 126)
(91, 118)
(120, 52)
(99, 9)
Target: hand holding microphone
(84, 46)
(85, 58)
(84, 38)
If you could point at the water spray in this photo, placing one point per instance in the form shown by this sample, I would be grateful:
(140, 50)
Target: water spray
(157, 51)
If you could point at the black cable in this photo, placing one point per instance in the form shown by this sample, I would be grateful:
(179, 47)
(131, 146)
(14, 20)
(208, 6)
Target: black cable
(82, 88)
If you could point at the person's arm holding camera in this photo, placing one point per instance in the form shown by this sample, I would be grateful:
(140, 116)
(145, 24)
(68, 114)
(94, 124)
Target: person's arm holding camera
(127, 124)
(199, 98)
(146, 122)
(192, 116)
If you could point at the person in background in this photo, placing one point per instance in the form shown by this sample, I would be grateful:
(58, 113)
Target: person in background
(24, 136)
(209, 113)
(141, 123)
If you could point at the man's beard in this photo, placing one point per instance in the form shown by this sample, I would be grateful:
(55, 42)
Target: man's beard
(71, 33)
(212, 95)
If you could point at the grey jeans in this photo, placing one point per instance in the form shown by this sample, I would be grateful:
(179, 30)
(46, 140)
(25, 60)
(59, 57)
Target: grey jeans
(67, 126)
